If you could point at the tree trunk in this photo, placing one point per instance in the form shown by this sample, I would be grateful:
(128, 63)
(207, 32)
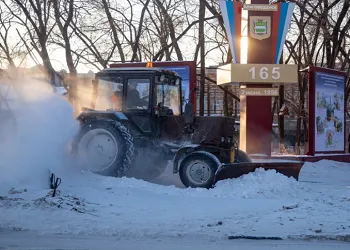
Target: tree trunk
(281, 117)
(47, 63)
(208, 99)
(227, 99)
(171, 28)
(114, 30)
(202, 56)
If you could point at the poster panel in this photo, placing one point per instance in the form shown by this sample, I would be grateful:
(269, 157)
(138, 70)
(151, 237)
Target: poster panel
(329, 112)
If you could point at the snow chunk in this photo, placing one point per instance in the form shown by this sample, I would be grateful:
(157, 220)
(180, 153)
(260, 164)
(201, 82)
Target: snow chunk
(259, 184)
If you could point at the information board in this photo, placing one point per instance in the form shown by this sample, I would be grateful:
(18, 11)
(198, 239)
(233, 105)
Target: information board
(329, 112)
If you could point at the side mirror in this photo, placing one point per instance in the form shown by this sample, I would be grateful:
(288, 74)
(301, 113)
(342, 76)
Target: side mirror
(189, 113)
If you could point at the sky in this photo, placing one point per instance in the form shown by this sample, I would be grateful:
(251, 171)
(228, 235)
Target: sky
(187, 45)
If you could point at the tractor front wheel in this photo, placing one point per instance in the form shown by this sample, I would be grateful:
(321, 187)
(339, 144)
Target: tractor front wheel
(197, 170)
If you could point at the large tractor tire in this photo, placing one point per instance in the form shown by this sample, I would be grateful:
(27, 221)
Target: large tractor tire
(149, 164)
(197, 170)
(105, 147)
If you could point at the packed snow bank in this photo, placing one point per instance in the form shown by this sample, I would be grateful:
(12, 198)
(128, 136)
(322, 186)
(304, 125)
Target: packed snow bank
(37, 139)
(326, 172)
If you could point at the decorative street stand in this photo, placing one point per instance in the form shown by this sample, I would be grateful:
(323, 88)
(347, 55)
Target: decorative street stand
(268, 26)
(327, 109)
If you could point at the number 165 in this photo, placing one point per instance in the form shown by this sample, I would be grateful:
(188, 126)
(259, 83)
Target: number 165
(264, 73)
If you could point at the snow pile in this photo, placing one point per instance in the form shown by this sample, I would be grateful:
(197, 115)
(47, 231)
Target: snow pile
(38, 141)
(259, 184)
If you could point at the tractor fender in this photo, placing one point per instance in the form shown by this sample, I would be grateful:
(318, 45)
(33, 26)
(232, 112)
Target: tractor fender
(90, 115)
(214, 158)
(93, 114)
(181, 154)
(120, 115)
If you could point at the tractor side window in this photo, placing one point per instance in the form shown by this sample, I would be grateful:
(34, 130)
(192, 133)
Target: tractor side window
(137, 96)
(110, 93)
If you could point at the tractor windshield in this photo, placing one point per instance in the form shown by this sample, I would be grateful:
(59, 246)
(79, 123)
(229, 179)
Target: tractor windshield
(115, 91)
(168, 88)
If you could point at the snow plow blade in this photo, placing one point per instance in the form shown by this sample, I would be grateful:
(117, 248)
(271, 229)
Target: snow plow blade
(235, 170)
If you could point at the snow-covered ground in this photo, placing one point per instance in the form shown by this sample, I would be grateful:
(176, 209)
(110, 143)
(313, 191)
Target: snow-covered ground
(263, 203)
(255, 204)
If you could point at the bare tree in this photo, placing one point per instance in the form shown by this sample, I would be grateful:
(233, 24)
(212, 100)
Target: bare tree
(91, 29)
(64, 13)
(113, 28)
(171, 28)
(10, 49)
(34, 16)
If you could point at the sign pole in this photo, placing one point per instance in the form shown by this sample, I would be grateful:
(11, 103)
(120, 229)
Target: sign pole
(267, 29)
(257, 134)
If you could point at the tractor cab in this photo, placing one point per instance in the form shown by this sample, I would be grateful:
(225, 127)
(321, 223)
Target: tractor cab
(143, 96)
(138, 90)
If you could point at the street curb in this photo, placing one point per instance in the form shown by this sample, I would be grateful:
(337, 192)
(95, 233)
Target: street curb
(246, 237)
(343, 238)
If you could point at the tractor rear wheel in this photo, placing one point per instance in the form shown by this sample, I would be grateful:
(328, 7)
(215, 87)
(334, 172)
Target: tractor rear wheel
(105, 147)
(198, 169)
